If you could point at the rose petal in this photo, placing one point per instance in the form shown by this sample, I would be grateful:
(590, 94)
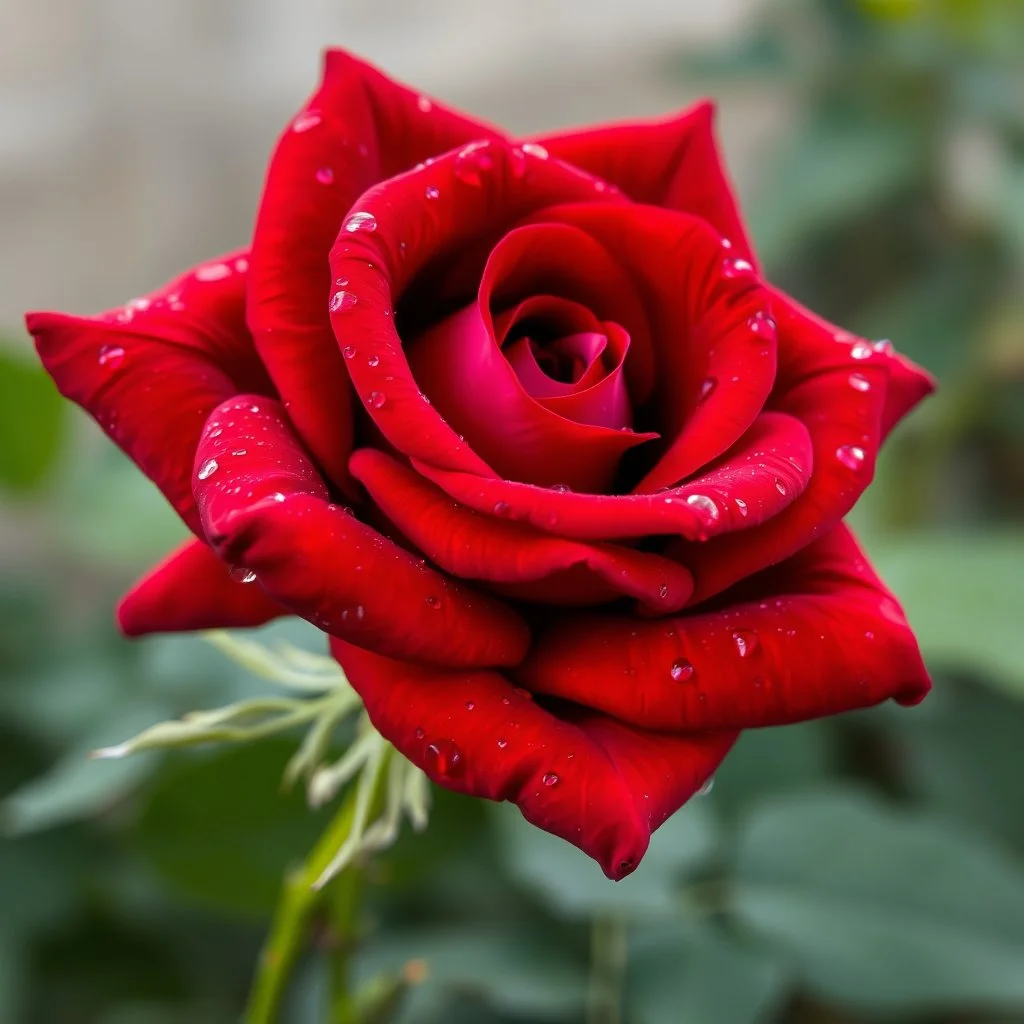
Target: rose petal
(598, 784)
(357, 129)
(264, 507)
(821, 381)
(671, 162)
(474, 546)
(192, 589)
(151, 372)
(818, 635)
(767, 471)
(379, 264)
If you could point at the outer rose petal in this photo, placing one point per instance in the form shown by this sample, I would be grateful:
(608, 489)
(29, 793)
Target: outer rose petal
(818, 635)
(839, 386)
(357, 129)
(597, 783)
(671, 162)
(191, 589)
(265, 507)
(474, 546)
(408, 230)
(150, 373)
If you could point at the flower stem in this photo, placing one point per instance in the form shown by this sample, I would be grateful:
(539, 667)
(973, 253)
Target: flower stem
(607, 969)
(296, 907)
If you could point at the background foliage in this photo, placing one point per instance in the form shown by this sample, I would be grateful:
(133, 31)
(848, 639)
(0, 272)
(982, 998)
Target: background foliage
(864, 869)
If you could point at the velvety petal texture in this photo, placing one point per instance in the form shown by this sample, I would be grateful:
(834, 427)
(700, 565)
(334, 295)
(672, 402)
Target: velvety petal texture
(521, 428)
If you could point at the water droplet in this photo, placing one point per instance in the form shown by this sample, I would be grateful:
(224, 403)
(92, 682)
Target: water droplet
(741, 507)
(470, 705)
(361, 221)
(424, 104)
(238, 451)
(709, 784)
(341, 282)
(535, 149)
(707, 510)
(663, 591)
(325, 175)
(550, 779)
(525, 694)
(340, 301)
(349, 351)
(746, 643)
(420, 734)
(443, 758)
(561, 488)
(706, 388)
(850, 456)
(869, 635)
(306, 120)
(424, 398)
(501, 508)
(433, 601)
(763, 325)
(861, 350)
(277, 496)
(432, 192)
(859, 382)
(472, 163)
(681, 671)
(373, 360)
(377, 399)
(111, 356)
(733, 267)
(207, 469)
(502, 743)
(240, 574)
(883, 346)
(213, 272)
(726, 244)
(780, 487)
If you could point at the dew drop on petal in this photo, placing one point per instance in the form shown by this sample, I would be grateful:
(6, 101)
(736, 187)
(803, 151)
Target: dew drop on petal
(341, 301)
(238, 451)
(377, 399)
(111, 356)
(884, 346)
(561, 488)
(859, 382)
(501, 508)
(550, 779)
(420, 734)
(709, 384)
(213, 272)
(207, 469)
(443, 758)
(306, 120)
(663, 591)
(240, 574)
(709, 784)
(732, 267)
(373, 360)
(433, 601)
(850, 456)
(424, 104)
(349, 351)
(325, 175)
(741, 507)
(470, 705)
(472, 163)
(535, 149)
(681, 671)
(502, 743)
(763, 325)
(861, 350)
(361, 221)
(432, 192)
(746, 643)
(780, 487)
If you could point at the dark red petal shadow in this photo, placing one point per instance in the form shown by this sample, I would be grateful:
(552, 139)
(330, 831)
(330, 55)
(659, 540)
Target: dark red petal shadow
(151, 372)
(474, 546)
(191, 589)
(264, 507)
(597, 783)
(818, 635)
(671, 162)
(359, 128)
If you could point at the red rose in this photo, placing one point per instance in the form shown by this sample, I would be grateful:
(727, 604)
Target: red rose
(521, 427)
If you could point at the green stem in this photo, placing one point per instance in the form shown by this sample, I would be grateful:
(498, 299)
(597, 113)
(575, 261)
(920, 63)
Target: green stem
(607, 969)
(298, 902)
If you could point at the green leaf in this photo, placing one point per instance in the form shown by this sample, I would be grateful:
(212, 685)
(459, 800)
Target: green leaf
(880, 908)
(688, 971)
(962, 594)
(573, 884)
(31, 422)
(219, 829)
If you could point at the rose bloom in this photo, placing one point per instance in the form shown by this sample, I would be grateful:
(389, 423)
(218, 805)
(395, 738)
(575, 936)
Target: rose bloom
(520, 426)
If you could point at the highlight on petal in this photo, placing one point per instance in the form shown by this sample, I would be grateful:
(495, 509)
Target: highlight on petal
(671, 162)
(358, 128)
(600, 785)
(193, 589)
(265, 508)
(151, 372)
(817, 635)
(474, 546)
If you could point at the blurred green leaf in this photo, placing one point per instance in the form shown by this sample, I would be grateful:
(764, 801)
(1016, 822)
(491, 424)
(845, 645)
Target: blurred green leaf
(219, 828)
(882, 908)
(572, 882)
(963, 595)
(688, 971)
(31, 422)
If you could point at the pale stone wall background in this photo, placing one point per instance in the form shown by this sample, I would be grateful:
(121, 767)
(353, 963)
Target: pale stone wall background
(134, 133)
